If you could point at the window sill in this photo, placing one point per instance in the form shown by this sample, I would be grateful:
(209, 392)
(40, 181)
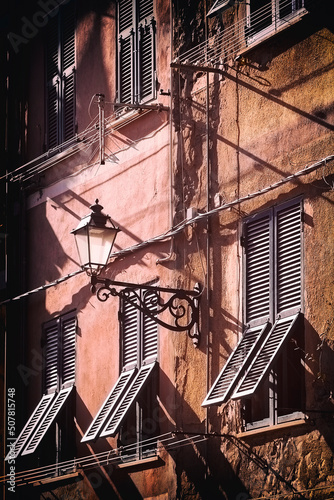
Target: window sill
(145, 463)
(273, 428)
(58, 479)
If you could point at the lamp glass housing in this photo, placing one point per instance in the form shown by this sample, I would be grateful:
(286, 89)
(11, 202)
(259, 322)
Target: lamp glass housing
(94, 241)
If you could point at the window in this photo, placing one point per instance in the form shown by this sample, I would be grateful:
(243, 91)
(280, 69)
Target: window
(266, 357)
(129, 407)
(265, 17)
(59, 377)
(136, 51)
(60, 77)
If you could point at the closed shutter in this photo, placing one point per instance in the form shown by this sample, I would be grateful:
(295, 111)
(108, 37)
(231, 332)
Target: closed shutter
(129, 332)
(150, 327)
(126, 70)
(60, 77)
(146, 60)
(68, 61)
(51, 335)
(289, 261)
(108, 406)
(258, 235)
(235, 366)
(128, 399)
(53, 83)
(265, 356)
(26, 432)
(47, 420)
(69, 324)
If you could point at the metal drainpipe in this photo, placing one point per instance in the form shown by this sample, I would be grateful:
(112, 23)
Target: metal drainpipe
(208, 187)
(169, 256)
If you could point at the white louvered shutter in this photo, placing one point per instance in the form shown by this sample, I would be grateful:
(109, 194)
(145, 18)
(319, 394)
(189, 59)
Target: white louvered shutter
(68, 332)
(289, 258)
(51, 336)
(235, 366)
(150, 327)
(258, 269)
(219, 5)
(265, 356)
(128, 399)
(30, 426)
(47, 420)
(108, 405)
(129, 332)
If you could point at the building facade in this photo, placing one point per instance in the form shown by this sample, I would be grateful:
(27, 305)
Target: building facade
(199, 362)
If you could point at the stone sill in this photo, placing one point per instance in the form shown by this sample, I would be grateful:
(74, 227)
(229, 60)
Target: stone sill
(141, 464)
(273, 428)
(57, 479)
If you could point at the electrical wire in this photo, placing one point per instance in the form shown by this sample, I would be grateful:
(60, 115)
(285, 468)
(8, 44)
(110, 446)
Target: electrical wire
(166, 441)
(183, 224)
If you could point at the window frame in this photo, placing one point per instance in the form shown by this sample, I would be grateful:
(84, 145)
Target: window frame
(277, 23)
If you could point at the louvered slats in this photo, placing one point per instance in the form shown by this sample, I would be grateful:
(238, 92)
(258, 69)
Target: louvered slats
(258, 269)
(150, 327)
(47, 420)
(68, 351)
(69, 106)
(131, 394)
(108, 406)
(234, 366)
(51, 357)
(60, 66)
(129, 333)
(125, 14)
(289, 258)
(26, 432)
(136, 61)
(145, 9)
(265, 356)
(126, 64)
(146, 61)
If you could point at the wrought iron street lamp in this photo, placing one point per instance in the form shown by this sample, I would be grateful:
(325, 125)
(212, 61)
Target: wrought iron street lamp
(95, 237)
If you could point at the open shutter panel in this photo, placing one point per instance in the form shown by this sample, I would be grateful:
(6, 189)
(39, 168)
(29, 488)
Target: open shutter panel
(258, 269)
(289, 258)
(108, 406)
(150, 327)
(130, 396)
(220, 5)
(129, 332)
(30, 426)
(69, 105)
(235, 366)
(51, 334)
(47, 420)
(265, 356)
(53, 91)
(69, 324)
(146, 61)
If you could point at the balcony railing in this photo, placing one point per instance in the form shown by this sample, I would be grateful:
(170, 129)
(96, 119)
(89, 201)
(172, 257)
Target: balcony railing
(255, 27)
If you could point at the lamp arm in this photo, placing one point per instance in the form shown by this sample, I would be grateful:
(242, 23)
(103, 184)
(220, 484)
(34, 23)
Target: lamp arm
(179, 304)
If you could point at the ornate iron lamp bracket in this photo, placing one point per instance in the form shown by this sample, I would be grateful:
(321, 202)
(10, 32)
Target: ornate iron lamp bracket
(182, 305)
